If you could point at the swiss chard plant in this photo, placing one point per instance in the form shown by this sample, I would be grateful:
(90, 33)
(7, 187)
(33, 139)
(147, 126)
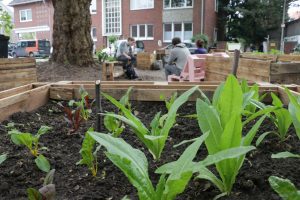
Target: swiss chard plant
(155, 137)
(281, 118)
(89, 153)
(284, 187)
(32, 143)
(175, 176)
(114, 125)
(294, 109)
(222, 118)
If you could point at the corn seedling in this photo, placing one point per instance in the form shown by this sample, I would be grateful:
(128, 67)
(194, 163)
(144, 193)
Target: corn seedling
(169, 101)
(175, 176)
(155, 138)
(222, 119)
(294, 109)
(112, 124)
(89, 158)
(32, 143)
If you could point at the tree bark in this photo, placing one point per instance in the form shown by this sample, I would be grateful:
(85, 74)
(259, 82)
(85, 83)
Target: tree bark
(72, 42)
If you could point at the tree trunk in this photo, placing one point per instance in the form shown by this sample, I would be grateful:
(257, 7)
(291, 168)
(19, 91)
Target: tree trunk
(72, 42)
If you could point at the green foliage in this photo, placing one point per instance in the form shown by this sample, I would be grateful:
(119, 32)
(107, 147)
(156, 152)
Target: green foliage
(3, 157)
(155, 138)
(110, 59)
(281, 118)
(32, 143)
(89, 158)
(222, 119)
(112, 39)
(101, 55)
(202, 37)
(175, 175)
(285, 154)
(285, 188)
(112, 124)
(169, 102)
(34, 194)
(294, 109)
(6, 22)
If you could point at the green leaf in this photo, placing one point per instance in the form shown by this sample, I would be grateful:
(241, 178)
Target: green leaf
(217, 94)
(283, 121)
(3, 157)
(206, 174)
(125, 99)
(263, 111)
(49, 178)
(276, 101)
(43, 130)
(294, 109)
(285, 188)
(42, 163)
(33, 194)
(209, 121)
(131, 161)
(22, 138)
(247, 140)
(285, 154)
(262, 137)
(231, 100)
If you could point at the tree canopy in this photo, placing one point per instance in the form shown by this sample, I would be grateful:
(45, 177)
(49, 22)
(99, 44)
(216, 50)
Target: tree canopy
(250, 20)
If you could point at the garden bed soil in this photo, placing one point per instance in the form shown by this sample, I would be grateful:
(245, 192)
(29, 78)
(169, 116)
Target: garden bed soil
(74, 182)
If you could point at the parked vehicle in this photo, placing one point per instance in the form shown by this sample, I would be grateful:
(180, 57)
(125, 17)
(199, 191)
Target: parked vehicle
(11, 47)
(139, 47)
(191, 46)
(32, 48)
(296, 49)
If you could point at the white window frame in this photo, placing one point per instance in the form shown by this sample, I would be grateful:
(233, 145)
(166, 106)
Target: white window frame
(92, 34)
(216, 5)
(173, 30)
(104, 33)
(93, 5)
(26, 11)
(174, 8)
(138, 32)
(151, 7)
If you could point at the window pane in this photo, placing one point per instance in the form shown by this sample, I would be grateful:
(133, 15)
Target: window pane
(133, 31)
(94, 32)
(177, 30)
(168, 32)
(178, 3)
(150, 31)
(138, 4)
(93, 6)
(166, 3)
(142, 30)
(29, 15)
(189, 2)
(188, 31)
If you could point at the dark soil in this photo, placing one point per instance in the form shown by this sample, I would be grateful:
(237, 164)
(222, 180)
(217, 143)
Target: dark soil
(73, 182)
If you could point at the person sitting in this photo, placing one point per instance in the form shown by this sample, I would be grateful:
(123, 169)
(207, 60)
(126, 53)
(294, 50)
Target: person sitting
(177, 59)
(124, 54)
(200, 49)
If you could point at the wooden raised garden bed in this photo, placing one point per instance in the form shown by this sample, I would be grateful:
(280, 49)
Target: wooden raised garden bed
(34, 105)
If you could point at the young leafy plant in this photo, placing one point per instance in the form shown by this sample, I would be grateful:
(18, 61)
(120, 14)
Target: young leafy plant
(112, 124)
(3, 157)
(285, 188)
(223, 120)
(32, 143)
(89, 158)
(294, 109)
(155, 138)
(175, 176)
(169, 102)
(281, 118)
(73, 117)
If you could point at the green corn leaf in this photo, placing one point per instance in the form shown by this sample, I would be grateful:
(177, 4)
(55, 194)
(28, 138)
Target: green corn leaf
(247, 98)
(206, 174)
(131, 161)
(262, 137)
(42, 163)
(125, 99)
(285, 154)
(283, 121)
(263, 111)
(217, 94)
(209, 121)
(33, 194)
(3, 157)
(247, 140)
(276, 101)
(160, 187)
(285, 188)
(231, 136)
(231, 100)
(43, 130)
(294, 109)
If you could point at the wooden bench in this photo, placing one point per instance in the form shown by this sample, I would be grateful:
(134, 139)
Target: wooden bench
(108, 70)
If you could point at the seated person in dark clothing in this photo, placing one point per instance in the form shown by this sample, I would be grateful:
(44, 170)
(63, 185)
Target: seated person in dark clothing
(124, 54)
(200, 49)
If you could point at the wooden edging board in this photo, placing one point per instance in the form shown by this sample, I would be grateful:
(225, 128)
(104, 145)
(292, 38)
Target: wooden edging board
(32, 96)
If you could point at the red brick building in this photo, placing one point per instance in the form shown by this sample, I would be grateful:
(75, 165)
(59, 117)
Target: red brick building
(147, 20)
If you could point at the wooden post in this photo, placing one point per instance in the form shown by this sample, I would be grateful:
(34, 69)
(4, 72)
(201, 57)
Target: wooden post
(235, 64)
(98, 106)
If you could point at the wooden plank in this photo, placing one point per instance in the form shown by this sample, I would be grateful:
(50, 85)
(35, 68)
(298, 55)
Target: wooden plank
(283, 95)
(285, 68)
(60, 93)
(4, 86)
(15, 91)
(273, 58)
(24, 102)
(285, 78)
(288, 58)
(7, 61)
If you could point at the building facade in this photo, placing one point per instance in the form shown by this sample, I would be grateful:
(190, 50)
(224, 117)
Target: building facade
(148, 20)
(292, 35)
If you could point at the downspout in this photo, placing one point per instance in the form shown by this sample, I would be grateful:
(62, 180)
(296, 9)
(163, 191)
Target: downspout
(202, 16)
